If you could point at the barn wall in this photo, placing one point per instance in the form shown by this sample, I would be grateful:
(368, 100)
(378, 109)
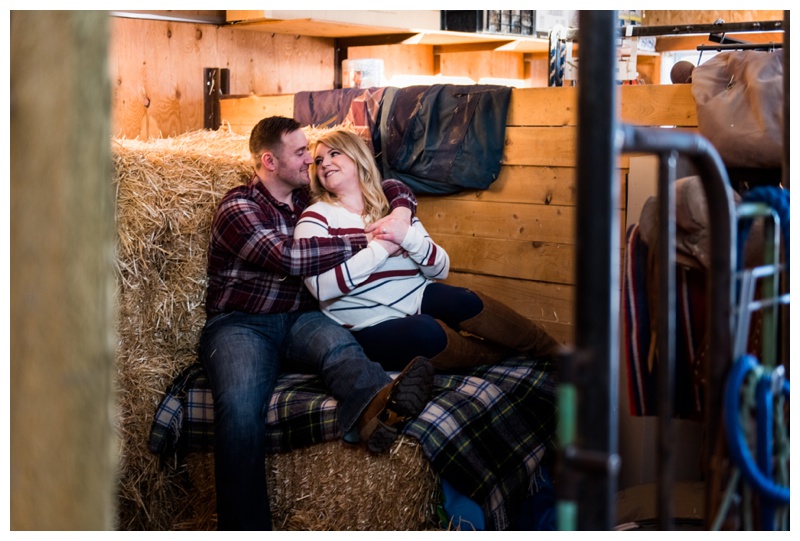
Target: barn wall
(156, 70)
(156, 66)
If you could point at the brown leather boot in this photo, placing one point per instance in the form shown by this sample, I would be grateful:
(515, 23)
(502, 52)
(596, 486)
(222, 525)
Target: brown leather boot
(395, 404)
(466, 351)
(502, 325)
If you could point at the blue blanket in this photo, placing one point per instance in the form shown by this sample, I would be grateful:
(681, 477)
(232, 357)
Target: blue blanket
(486, 430)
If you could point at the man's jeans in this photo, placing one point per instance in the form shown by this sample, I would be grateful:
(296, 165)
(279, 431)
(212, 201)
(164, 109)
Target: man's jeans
(243, 355)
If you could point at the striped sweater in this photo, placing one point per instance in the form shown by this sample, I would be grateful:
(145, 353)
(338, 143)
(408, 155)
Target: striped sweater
(371, 287)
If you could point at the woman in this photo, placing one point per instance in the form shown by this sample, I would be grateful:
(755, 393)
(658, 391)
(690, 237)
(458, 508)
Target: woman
(387, 294)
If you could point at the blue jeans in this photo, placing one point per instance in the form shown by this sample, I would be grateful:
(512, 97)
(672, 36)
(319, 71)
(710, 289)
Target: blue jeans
(243, 354)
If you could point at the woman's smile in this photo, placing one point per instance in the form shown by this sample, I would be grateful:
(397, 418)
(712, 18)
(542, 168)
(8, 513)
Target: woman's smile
(336, 171)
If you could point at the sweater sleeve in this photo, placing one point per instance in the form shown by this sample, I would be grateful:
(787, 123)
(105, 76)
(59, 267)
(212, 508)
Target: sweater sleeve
(432, 259)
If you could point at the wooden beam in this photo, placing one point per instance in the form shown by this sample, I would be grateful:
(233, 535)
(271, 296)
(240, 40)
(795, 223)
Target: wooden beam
(62, 309)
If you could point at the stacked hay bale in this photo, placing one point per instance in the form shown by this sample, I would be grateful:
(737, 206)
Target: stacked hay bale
(167, 192)
(335, 487)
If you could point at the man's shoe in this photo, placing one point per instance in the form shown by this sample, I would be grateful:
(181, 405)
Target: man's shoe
(398, 402)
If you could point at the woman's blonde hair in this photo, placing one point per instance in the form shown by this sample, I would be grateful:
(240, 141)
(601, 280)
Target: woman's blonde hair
(376, 206)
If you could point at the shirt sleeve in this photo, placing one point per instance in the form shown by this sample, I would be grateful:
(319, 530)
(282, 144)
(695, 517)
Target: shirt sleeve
(241, 227)
(346, 276)
(431, 258)
(399, 195)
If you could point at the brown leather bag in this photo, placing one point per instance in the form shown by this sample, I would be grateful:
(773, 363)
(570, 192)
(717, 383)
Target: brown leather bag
(739, 98)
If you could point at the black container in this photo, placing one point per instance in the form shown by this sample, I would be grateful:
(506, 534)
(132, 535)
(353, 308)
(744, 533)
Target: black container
(515, 22)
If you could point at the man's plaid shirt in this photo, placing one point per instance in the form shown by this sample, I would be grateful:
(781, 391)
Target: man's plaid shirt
(254, 264)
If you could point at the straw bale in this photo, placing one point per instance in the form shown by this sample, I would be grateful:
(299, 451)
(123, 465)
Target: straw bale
(333, 487)
(167, 192)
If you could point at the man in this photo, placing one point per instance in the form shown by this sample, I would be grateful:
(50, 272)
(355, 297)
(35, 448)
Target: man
(261, 320)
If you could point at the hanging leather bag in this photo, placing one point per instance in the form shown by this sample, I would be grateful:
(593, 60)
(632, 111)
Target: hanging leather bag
(739, 98)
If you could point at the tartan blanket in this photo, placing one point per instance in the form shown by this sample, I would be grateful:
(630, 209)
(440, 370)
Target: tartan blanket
(485, 430)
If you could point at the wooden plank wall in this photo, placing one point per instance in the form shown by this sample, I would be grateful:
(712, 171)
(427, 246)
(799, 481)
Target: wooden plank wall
(156, 70)
(156, 66)
(516, 239)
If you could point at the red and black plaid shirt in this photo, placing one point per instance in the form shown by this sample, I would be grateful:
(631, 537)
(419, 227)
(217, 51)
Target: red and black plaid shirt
(254, 264)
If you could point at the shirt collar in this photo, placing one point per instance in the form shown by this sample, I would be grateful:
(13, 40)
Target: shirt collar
(300, 196)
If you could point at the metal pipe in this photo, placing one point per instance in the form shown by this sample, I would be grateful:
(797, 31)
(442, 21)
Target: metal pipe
(715, 28)
(722, 223)
(597, 269)
(743, 47)
(665, 328)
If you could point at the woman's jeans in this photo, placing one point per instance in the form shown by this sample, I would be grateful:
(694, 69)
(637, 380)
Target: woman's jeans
(243, 354)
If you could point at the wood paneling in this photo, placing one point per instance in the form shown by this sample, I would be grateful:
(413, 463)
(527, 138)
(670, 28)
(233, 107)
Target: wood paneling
(398, 59)
(241, 114)
(649, 105)
(656, 17)
(533, 184)
(527, 260)
(658, 105)
(156, 69)
(491, 220)
(479, 64)
(546, 146)
(542, 301)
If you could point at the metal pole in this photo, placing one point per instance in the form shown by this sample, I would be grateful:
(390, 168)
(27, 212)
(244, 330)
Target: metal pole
(594, 456)
(666, 338)
(722, 227)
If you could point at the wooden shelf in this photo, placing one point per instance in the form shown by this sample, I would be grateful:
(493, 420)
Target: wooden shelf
(418, 36)
(315, 28)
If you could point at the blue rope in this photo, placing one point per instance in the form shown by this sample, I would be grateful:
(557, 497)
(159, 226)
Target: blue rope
(777, 199)
(739, 450)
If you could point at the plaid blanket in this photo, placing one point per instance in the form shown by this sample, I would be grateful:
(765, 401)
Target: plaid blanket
(486, 430)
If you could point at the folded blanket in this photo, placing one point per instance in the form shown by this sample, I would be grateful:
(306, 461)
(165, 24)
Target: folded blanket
(485, 431)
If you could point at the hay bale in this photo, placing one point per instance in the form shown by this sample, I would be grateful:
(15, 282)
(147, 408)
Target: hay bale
(335, 487)
(167, 192)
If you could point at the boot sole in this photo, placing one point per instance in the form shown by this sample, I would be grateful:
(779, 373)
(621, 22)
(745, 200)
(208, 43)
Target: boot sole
(382, 438)
(410, 394)
(413, 389)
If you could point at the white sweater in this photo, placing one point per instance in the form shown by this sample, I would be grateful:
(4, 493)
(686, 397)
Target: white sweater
(371, 287)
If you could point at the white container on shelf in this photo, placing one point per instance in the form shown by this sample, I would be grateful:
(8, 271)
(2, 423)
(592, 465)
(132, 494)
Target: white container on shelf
(362, 73)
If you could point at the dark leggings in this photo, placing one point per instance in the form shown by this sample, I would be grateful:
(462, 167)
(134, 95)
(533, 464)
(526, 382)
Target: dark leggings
(394, 343)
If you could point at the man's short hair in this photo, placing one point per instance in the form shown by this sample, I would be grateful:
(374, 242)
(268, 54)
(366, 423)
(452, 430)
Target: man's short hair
(268, 133)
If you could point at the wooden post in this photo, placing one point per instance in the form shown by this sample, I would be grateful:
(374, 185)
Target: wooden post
(62, 273)
(216, 83)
